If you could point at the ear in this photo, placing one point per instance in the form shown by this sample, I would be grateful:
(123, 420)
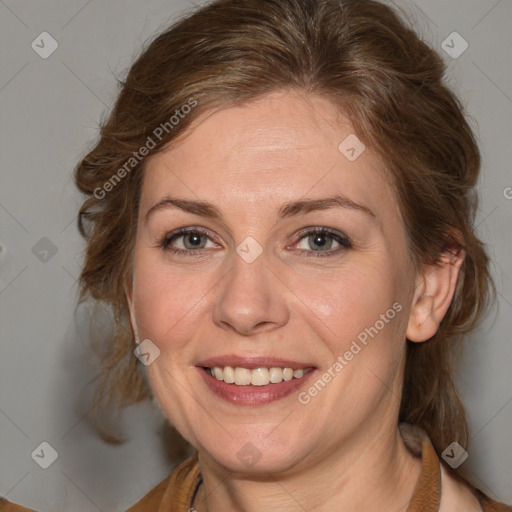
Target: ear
(128, 292)
(435, 287)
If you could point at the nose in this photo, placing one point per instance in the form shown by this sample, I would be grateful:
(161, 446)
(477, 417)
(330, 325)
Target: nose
(251, 299)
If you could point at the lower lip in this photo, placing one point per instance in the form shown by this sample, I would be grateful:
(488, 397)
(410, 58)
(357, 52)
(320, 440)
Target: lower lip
(253, 395)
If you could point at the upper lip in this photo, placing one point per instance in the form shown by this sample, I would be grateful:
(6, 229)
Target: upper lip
(252, 362)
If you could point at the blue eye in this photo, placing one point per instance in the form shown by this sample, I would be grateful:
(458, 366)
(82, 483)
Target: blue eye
(192, 239)
(316, 242)
(322, 242)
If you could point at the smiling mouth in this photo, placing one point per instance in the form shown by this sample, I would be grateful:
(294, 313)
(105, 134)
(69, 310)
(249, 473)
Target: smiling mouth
(239, 376)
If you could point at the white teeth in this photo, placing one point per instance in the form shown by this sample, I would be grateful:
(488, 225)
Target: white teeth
(287, 374)
(242, 376)
(275, 375)
(229, 375)
(257, 377)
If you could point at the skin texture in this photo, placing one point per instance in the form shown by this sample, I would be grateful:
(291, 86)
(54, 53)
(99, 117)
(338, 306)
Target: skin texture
(249, 161)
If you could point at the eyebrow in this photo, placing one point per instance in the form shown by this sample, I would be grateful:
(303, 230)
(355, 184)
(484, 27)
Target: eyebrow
(288, 209)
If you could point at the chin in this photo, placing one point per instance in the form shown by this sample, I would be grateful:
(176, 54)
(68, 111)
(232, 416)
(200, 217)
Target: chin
(251, 455)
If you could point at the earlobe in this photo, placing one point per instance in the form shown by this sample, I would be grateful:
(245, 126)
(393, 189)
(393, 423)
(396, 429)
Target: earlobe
(422, 322)
(433, 295)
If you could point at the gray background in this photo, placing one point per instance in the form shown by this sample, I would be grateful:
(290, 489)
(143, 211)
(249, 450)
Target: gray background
(50, 109)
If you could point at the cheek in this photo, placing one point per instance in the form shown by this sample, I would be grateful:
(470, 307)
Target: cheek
(165, 301)
(349, 300)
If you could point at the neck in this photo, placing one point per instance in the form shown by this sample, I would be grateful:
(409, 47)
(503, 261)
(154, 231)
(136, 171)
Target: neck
(376, 470)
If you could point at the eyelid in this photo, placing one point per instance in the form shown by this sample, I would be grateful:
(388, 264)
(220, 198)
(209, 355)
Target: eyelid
(177, 233)
(321, 229)
(343, 240)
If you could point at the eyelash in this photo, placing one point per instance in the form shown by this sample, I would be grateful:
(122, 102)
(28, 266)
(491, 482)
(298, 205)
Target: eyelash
(344, 241)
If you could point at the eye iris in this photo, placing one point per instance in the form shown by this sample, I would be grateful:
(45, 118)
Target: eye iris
(320, 240)
(194, 239)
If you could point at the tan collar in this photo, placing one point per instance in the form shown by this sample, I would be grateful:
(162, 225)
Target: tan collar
(427, 493)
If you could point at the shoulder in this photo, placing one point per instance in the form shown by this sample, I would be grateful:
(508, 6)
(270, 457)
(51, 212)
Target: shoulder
(152, 498)
(7, 506)
(460, 495)
(175, 492)
(439, 485)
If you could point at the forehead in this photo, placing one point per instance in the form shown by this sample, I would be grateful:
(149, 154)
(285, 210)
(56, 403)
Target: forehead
(277, 148)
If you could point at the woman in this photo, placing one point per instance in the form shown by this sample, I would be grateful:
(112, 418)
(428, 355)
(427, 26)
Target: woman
(281, 203)
(280, 213)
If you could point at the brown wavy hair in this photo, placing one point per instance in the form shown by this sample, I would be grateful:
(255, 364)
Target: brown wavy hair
(367, 60)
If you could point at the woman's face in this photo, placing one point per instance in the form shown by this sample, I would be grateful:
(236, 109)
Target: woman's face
(273, 274)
